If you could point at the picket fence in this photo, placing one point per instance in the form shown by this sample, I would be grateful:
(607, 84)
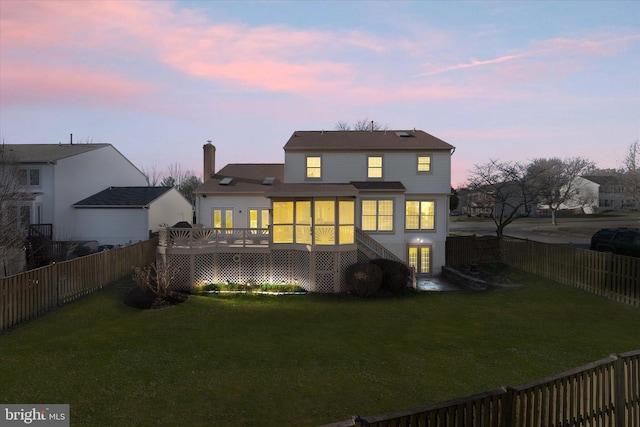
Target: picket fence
(31, 294)
(605, 393)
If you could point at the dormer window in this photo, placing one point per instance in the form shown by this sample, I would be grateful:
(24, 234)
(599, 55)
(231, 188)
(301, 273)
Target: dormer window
(314, 167)
(374, 167)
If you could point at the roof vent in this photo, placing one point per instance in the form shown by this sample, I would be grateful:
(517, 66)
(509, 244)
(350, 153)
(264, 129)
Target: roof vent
(268, 180)
(226, 180)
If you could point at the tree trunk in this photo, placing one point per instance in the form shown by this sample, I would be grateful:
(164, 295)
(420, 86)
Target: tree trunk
(554, 221)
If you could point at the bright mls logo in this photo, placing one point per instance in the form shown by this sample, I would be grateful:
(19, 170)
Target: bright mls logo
(37, 415)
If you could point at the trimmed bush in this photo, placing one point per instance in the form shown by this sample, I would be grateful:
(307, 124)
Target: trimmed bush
(363, 279)
(394, 274)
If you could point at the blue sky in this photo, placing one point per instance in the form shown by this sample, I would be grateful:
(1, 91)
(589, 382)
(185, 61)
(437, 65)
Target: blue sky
(157, 79)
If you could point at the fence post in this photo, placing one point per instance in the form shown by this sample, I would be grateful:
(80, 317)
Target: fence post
(507, 406)
(619, 390)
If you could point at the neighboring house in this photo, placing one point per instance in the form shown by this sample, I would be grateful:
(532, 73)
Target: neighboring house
(584, 199)
(122, 215)
(55, 176)
(612, 193)
(339, 197)
(493, 202)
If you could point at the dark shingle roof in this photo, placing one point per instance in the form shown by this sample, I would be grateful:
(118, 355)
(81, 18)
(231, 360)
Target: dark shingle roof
(43, 153)
(364, 140)
(130, 197)
(379, 185)
(312, 189)
(247, 178)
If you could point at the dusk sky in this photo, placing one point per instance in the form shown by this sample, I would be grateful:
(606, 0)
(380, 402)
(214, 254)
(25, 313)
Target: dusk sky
(498, 80)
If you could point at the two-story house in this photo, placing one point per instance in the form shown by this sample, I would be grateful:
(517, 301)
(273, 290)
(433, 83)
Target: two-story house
(340, 197)
(79, 192)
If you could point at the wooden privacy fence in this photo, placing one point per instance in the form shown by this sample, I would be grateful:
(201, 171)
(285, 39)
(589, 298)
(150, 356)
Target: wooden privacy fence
(613, 276)
(605, 393)
(28, 295)
(467, 250)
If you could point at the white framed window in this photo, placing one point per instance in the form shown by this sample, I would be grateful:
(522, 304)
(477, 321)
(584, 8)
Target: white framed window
(222, 218)
(314, 167)
(424, 164)
(374, 167)
(420, 215)
(377, 215)
(258, 218)
(29, 177)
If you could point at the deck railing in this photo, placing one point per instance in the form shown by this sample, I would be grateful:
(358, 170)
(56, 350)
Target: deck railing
(214, 237)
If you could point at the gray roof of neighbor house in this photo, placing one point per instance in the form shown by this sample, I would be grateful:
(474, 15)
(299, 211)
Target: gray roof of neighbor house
(603, 179)
(123, 197)
(415, 140)
(44, 153)
(243, 178)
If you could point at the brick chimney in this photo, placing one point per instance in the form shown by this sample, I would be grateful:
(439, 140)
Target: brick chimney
(209, 161)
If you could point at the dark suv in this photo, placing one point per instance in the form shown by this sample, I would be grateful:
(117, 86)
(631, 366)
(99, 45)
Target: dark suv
(621, 241)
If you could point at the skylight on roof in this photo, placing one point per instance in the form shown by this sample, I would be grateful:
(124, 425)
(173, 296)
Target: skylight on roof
(403, 134)
(268, 180)
(226, 180)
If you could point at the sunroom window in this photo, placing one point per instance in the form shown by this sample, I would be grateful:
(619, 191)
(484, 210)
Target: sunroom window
(317, 222)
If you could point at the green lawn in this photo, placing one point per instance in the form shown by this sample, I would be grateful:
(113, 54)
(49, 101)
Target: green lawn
(301, 360)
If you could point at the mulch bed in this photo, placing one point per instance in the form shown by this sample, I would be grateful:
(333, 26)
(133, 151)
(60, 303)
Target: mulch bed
(145, 299)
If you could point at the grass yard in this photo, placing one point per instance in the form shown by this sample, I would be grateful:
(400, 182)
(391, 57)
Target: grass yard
(301, 360)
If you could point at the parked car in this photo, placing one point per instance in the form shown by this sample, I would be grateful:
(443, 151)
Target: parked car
(620, 241)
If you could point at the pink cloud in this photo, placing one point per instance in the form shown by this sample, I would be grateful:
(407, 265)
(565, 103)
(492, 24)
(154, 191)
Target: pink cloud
(23, 81)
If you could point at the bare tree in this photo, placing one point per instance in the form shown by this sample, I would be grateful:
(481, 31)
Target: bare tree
(559, 185)
(504, 188)
(11, 224)
(363, 124)
(631, 176)
(153, 175)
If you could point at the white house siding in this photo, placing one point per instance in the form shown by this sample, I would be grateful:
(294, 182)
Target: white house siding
(83, 175)
(340, 167)
(169, 209)
(112, 226)
(239, 203)
(400, 166)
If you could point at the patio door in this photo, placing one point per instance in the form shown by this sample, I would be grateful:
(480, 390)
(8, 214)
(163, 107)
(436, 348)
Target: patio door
(420, 259)
(222, 218)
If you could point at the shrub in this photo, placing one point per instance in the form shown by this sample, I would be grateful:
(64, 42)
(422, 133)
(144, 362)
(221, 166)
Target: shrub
(363, 279)
(394, 274)
(156, 278)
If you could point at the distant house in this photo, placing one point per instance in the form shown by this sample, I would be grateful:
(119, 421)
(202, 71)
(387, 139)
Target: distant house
(121, 215)
(584, 199)
(612, 192)
(339, 197)
(55, 176)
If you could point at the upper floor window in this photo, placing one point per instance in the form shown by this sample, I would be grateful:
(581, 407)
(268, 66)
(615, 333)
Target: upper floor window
(424, 163)
(374, 167)
(314, 167)
(420, 215)
(377, 215)
(29, 176)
